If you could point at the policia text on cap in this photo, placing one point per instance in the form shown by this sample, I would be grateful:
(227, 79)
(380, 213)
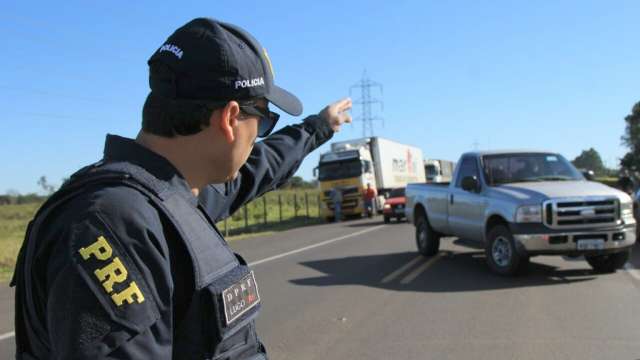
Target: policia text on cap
(125, 261)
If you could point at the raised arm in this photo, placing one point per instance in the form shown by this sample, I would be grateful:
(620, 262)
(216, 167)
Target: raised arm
(274, 160)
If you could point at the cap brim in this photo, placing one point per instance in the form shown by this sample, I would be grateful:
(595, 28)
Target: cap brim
(284, 100)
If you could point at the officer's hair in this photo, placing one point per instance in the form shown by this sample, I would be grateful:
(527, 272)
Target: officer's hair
(169, 117)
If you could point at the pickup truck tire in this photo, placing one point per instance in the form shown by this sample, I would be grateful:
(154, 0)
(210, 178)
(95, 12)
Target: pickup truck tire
(427, 240)
(501, 254)
(608, 263)
(386, 219)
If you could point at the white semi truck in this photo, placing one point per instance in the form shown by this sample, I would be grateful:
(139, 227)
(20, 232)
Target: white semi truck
(439, 170)
(352, 164)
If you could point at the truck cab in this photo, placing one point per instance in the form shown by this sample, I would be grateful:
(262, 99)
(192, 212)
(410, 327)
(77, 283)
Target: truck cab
(347, 168)
(438, 170)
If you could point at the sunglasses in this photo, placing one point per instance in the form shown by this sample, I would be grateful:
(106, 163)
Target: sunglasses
(268, 119)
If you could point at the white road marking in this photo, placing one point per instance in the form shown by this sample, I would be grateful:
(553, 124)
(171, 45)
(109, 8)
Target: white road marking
(402, 269)
(7, 336)
(326, 242)
(415, 273)
(632, 271)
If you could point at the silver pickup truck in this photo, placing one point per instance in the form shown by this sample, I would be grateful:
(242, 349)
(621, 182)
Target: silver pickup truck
(521, 204)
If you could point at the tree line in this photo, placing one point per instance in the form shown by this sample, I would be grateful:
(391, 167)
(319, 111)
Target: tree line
(629, 165)
(13, 197)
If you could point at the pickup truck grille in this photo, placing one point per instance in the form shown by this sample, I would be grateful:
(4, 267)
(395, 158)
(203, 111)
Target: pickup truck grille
(581, 213)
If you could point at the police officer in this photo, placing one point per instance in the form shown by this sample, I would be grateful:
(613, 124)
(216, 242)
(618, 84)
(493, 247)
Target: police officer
(125, 261)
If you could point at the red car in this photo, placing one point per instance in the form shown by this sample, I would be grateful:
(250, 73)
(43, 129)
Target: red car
(394, 205)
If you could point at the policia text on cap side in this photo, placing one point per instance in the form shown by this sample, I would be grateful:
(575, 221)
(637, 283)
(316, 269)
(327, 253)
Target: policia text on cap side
(125, 261)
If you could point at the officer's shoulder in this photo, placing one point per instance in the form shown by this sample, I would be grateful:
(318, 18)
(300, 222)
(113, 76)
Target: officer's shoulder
(116, 206)
(121, 201)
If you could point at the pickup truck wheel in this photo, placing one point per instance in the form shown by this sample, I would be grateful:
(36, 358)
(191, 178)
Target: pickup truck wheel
(608, 263)
(501, 253)
(427, 240)
(386, 219)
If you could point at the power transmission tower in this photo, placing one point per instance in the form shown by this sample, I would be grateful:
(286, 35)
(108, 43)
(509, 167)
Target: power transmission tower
(365, 85)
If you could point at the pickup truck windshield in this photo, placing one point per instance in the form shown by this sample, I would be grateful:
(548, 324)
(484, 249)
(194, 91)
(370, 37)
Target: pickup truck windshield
(340, 170)
(513, 168)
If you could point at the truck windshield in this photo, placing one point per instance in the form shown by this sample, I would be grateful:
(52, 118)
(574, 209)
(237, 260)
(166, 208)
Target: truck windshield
(513, 168)
(431, 170)
(340, 170)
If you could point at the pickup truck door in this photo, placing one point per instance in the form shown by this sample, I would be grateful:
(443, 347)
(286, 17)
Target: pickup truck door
(466, 209)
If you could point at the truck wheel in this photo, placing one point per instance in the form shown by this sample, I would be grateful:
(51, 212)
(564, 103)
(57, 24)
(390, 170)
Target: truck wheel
(608, 263)
(386, 219)
(501, 254)
(427, 240)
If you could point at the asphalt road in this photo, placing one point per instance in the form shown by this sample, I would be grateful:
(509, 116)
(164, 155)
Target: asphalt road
(358, 290)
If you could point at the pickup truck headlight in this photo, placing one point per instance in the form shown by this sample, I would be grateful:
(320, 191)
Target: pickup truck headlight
(529, 214)
(387, 206)
(626, 209)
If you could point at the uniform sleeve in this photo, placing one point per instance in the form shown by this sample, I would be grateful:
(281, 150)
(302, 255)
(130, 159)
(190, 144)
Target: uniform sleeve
(109, 290)
(271, 163)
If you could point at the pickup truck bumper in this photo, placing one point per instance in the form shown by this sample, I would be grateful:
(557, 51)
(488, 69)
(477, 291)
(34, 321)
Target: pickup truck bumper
(542, 241)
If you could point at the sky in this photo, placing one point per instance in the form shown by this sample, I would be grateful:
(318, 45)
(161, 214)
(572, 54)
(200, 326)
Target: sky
(552, 75)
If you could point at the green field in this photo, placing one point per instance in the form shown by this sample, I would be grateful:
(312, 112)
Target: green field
(279, 205)
(13, 224)
(14, 220)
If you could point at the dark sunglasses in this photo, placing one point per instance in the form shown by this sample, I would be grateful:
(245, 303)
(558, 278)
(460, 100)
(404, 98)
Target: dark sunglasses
(268, 119)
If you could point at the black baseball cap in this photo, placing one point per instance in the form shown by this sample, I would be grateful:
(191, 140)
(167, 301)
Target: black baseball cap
(212, 60)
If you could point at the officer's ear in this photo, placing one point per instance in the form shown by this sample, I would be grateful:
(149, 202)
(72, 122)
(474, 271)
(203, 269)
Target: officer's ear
(227, 119)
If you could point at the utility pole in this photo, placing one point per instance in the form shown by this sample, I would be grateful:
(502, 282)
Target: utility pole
(365, 85)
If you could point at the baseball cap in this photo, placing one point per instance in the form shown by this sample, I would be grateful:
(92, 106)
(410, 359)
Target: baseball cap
(217, 61)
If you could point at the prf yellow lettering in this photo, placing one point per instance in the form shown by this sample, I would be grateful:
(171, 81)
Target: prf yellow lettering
(130, 294)
(100, 249)
(113, 273)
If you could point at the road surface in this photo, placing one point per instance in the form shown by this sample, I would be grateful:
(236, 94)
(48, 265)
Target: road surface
(359, 290)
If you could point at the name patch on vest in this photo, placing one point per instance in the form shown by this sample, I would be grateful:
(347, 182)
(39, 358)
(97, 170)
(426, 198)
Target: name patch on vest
(240, 298)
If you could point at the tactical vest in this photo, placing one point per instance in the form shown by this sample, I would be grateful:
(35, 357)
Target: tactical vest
(220, 321)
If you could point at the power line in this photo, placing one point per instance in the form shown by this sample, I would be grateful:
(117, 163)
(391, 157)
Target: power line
(365, 84)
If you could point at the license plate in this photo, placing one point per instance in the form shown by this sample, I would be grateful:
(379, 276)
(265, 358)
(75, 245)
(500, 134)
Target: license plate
(240, 297)
(591, 244)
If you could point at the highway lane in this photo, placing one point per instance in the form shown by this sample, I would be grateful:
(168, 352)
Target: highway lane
(358, 290)
(372, 297)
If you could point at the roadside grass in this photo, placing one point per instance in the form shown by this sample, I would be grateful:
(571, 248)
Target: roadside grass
(15, 218)
(13, 224)
(281, 207)
(610, 181)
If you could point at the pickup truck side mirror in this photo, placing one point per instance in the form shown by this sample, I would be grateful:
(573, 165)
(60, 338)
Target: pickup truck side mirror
(471, 184)
(589, 175)
(315, 172)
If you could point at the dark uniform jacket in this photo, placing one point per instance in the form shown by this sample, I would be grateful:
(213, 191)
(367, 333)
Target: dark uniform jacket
(107, 276)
